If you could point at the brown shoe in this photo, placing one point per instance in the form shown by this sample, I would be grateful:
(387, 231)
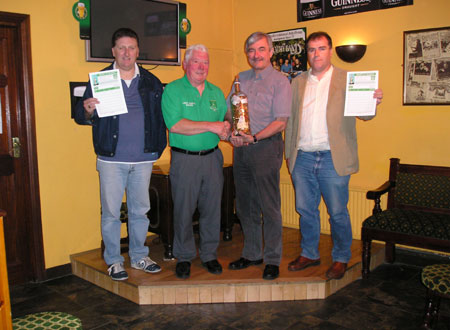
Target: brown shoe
(302, 263)
(336, 271)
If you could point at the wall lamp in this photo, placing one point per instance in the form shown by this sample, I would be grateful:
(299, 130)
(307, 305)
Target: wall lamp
(351, 53)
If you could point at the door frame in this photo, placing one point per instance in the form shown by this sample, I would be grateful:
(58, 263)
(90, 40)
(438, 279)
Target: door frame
(25, 92)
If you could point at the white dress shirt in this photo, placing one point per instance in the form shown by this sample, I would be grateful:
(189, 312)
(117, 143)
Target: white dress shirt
(314, 131)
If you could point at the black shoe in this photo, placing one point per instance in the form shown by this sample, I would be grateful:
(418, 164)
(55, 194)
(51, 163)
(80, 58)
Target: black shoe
(213, 266)
(243, 263)
(271, 272)
(183, 269)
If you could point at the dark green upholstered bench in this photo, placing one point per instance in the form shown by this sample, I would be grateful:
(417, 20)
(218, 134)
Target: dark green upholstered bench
(436, 279)
(417, 213)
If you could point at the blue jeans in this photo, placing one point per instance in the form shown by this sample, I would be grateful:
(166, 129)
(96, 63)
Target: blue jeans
(314, 176)
(115, 180)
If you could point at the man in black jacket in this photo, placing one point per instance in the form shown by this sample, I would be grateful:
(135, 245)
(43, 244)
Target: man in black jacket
(126, 145)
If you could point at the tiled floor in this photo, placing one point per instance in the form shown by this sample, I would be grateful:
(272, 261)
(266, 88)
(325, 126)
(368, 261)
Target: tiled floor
(393, 298)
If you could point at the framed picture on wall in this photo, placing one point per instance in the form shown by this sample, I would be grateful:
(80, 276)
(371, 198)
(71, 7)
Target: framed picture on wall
(289, 53)
(426, 67)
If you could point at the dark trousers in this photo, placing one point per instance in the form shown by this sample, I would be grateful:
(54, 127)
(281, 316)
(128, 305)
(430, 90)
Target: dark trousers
(256, 172)
(196, 181)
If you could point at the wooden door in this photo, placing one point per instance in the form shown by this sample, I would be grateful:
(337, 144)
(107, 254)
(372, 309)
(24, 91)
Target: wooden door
(19, 188)
(5, 301)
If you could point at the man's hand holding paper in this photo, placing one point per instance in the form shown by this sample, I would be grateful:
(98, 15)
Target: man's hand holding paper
(108, 94)
(362, 93)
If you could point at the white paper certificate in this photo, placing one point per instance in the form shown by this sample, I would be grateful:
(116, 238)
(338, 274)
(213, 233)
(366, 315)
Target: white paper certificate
(359, 100)
(107, 88)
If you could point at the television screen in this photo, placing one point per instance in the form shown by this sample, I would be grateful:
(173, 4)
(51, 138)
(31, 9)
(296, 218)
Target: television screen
(155, 22)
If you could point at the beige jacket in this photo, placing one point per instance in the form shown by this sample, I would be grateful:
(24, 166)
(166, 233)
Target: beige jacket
(341, 130)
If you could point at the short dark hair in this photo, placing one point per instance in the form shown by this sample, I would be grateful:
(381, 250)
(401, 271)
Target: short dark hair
(318, 35)
(123, 32)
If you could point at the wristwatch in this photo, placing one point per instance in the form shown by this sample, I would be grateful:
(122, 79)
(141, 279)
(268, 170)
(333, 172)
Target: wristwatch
(255, 140)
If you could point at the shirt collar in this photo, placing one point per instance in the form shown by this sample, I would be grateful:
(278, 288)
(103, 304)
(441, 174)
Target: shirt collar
(136, 69)
(263, 74)
(188, 83)
(327, 74)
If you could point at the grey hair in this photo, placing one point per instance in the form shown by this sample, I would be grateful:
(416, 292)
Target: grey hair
(191, 49)
(256, 36)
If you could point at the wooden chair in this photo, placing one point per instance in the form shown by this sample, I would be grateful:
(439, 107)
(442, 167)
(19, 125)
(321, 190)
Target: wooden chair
(417, 214)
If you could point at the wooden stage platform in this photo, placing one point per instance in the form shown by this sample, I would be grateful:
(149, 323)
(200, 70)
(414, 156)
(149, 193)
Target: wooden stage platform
(231, 286)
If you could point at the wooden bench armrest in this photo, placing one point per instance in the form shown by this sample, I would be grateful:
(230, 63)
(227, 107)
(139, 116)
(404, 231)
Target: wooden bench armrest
(376, 194)
(381, 190)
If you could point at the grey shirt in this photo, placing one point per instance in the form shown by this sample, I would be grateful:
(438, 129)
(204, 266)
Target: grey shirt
(269, 96)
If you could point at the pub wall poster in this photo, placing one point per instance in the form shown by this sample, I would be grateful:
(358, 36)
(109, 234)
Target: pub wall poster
(289, 55)
(314, 9)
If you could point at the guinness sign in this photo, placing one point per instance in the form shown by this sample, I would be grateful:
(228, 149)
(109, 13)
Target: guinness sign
(314, 9)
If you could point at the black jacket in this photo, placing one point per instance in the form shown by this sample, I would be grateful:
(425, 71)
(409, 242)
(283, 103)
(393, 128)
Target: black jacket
(105, 131)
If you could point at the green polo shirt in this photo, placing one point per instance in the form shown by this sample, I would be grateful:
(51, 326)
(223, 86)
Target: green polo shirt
(181, 100)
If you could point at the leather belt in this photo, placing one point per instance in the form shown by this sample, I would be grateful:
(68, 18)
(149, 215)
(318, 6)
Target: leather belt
(195, 153)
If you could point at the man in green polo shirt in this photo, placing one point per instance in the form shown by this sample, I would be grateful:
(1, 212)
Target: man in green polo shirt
(194, 112)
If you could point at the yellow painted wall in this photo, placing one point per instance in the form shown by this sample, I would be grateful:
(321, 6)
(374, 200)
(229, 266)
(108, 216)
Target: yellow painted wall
(68, 180)
(415, 134)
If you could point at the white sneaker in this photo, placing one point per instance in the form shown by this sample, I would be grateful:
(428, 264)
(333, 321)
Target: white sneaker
(147, 265)
(117, 272)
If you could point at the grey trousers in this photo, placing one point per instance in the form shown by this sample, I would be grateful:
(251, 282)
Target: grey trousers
(196, 181)
(256, 172)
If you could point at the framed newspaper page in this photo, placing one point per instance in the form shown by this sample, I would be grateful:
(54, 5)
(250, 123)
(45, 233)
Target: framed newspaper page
(426, 67)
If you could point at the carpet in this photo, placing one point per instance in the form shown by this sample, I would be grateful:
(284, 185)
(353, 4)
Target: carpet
(47, 321)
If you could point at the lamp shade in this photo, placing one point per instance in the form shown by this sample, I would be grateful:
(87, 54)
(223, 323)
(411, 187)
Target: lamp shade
(351, 53)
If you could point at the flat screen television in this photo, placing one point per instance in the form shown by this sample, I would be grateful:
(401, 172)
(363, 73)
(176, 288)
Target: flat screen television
(155, 22)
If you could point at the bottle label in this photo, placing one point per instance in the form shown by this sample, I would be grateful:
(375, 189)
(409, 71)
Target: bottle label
(236, 100)
(242, 124)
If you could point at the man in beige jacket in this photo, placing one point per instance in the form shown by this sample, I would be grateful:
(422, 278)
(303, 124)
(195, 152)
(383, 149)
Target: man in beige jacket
(321, 152)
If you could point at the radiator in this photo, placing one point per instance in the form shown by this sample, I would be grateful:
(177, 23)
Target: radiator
(358, 206)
